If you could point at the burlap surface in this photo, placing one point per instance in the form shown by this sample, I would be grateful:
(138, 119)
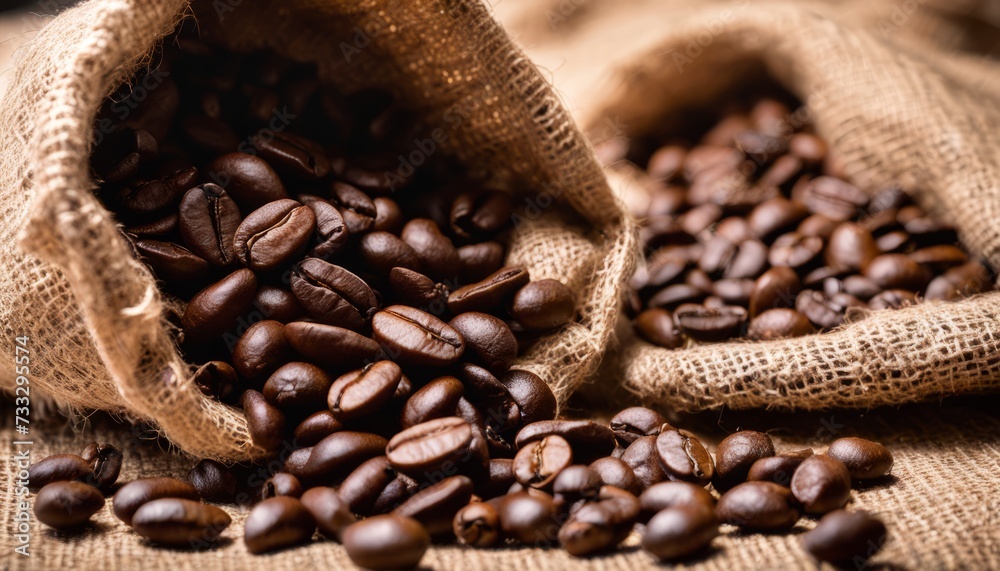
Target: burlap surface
(942, 508)
(93, 313)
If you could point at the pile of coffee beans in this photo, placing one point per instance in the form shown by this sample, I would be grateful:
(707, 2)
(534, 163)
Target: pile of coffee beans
(754, 233)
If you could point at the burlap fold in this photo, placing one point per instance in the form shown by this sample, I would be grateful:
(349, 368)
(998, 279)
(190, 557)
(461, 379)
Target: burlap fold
(94, 315)
(895, 115)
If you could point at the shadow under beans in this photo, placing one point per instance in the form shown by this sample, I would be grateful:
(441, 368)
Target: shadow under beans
(220, 543)
(74, 534)
(883, 482)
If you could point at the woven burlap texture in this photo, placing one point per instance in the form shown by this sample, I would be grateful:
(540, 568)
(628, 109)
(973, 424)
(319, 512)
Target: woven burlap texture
(94, 315)
(895, 115)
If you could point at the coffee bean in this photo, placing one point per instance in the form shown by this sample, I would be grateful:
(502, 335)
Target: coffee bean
(736, 454)
(277, 523)
(615, 472)
(710, 324)
(758, 506)
(575, 484)
(535, 400)
(479, 260)
(210, 135)
(295, 463)
(215, 309)
(119, 155)
(865, 460)
(845, 538)
(501, 478)
(538, 463)
(67, 504)
(330, 513)
(373, 480)
(530, 518)
(543, 304)
(794, 250)
(435, 250)
(331, 231)
(850, 247)
(173, 263)
(488, 340)
(893, 299)
(675, 494)
(340, 453)
(281, 484)
(477, 524)
(208, 222)
(775, 216)
(271, 236)
(162, 227)
(58, 468)
(490, 293)
(261, 350)
(130, 497)
(356, 207)
(834, 198)
(480, 214)
(779, 324)
(416, 289)
(699, 218)
(644, 460)
(213, 481)
(362, 393)
(388, 215)
(277, 304)
(316, 427)
(249, 179)
(386, 542)
(106, 461)
(293, 155)
(658, 326)
(732, 292)
(330, 346)
(748, 261)
(860, 287)
(683, 457)
(179, 522)
(442, 444)
(775, 288)
(634, 422)
(600, 525)
(414, 337)
(265, 422)
(778, 469)
(588, 439)
(821, 484)
(216, 379)
(823, 310)
(897, 271)
(435, 506)
(680, 531)
(382, 251)
(820, 226)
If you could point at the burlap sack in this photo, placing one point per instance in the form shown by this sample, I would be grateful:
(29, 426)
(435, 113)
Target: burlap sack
(93, 314)
(895, 112)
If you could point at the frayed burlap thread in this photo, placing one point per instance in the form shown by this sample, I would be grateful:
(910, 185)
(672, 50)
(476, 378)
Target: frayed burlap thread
(94, 314)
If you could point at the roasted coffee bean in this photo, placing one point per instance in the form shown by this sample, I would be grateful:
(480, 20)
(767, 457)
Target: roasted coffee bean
(371, 481)
(208, 222)
(637, 421)
(215, 309)
(329, 345)
(213, 480)
(538, 463)
(588, 439)
(261, 350)
(959, 282)
(172, 263)
(216, 379)
(543, 304)
(414, 337)
(779, 324)
(897, 271)
(274, 234)
(292, 155)
(893, 299)
(683, 457)
(778, 469)
(700, 218)
(331, 231)
(535, 400)
(615, 472)
(667, 495)
(845, 538)
(490, 293)
(794, 250)
(386, 542)
(277, 523)
(67, 504)
(600, 525)
(277, 304)
(775, 216)
(211, 135)
(865, 460)
(388, 215)
(823, 310)
(361, 393)
(162, 227)
(732, 291)
(480, 214)
(821, 484)
(658, 326)
(850, 247)
(130, 497)
(382, 251)
(281, 484)
(574, 484)
(316, 427)
(58, 468)
(479, 260)
(818, 225)
(736, 454)
(477, 524)
(416, 289)
(437, 399)
(501, 478)
(340, 453)
(265, 422)
(434, 445)
(860, 287)
(119, 155)
(435, 506)
(488, 340)
(748, 261)
(680, 531)
(776, 288)
(834, 198)
(758, 506)
(530, 518)
(644, 460)
(710, 324)
(760, 146)
(248, 179)
(356, 207)
(435, 250)
(330, 513)
(106, 461)
(179, 522)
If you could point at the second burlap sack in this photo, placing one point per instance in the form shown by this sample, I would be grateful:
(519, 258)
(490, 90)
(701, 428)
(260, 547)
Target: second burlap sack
(896, 114)
(92, 314)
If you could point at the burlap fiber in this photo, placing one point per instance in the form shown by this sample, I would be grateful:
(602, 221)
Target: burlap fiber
(898, 108)
(93, 313)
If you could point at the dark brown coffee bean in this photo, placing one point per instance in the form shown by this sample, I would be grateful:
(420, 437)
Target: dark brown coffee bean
(666, 162)
(479, 260)
(416, 289)
(535, 400)
(331, 231)
(700, 218)
(779, 324)
(148, 196)
(834, 198)
(732, 291)
(216, 379)
(710, 324)
(635, 422)
(386, 542)
(818, 225)
(845, 538)
(588, 439)
(758, 506)
(615, 472)
(477, 524)
(332, 294)
(644, 460)
(296, 461)
(600, 525)
(340, 453)
(657, 326)
(543, 304)
(444, 444)
(277, 304)
(106, 461)
(382, 251)
(415, 337)
(675, 494)
(480, 214)
(213, 480)
(292, 155)
(261, 350)
(373, 480)
(435, 250)
(179, 522)
(777, 469)
(664, 267)
(865, 460)
(940, 257)
(773, 217)
(501, 478)
(748, 261)
(860, 287)
(173, 263)
(248, 179)
(271, 236)
(119, 155)
(277, 523)
(674, 295)
(388, 216)
(316, 427)
(265, 422)
(215, 309)
(776, 288)
(823, 310)
(365, 392)
(893, 299)
(162, 227)
(851, 247)
(683, 457)
(575, 484)
(897, 271)
(209, 134)
(67, 504)
(435, 506)
(893, 242)
(736, 454)
(130, 497)
(329, 345)
(718, 253)
(759, 146)
(794, 250)
(328, 510)
(488, 340)
(281, 484)
(962, 281)
(356, 207)
(490, 293)
(437, 399)
(530, 518)
(208, 222)
(297, 386)
(538, 463)
(821, 484)
(680, 531)
(58, 468)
